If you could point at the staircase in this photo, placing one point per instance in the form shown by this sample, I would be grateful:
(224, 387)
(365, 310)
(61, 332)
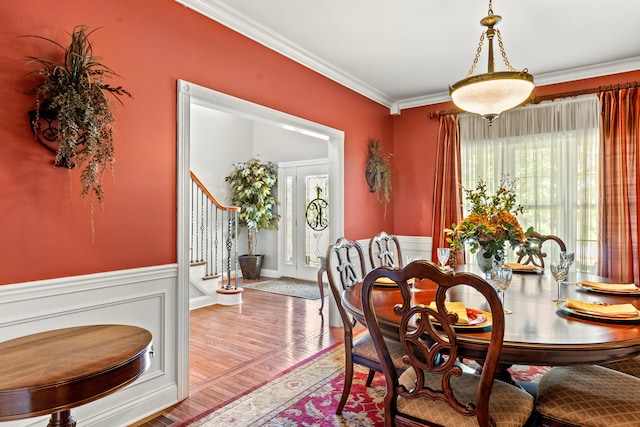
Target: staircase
(213, 241)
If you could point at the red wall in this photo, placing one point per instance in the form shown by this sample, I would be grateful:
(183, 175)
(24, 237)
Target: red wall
(44, 224)
(415, 140)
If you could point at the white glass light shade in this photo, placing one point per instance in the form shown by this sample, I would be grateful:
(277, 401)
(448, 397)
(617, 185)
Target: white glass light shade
(490, 94)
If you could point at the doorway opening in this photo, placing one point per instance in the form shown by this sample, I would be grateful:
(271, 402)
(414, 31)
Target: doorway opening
(191, 96)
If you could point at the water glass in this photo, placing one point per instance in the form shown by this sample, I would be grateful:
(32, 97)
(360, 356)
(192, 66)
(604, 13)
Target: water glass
(559, 271)
(410, 259)
(567, 257)
(443, 256)
(502, 276)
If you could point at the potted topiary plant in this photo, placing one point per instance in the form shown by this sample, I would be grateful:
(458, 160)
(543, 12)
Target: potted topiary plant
(253, 186)
(72, 97)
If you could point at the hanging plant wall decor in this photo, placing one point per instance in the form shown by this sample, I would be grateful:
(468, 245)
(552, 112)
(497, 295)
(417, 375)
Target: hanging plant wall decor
(73, 115)
(378, 171)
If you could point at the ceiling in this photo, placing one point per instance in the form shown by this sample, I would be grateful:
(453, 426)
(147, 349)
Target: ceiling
(406, 53)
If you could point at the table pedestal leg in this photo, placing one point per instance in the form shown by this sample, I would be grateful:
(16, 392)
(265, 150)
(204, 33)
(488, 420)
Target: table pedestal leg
(62, 419)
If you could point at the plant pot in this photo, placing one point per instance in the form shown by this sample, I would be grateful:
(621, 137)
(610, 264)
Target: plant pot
(250, 266)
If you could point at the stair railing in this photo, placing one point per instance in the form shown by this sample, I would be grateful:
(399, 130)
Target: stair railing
(214, 235)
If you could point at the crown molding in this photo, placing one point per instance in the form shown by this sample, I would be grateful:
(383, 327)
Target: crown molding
(220, 12)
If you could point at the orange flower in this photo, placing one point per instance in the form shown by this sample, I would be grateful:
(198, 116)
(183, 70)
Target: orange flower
(491, 223)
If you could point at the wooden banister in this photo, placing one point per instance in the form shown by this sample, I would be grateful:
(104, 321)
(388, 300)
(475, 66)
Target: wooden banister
(210, 196)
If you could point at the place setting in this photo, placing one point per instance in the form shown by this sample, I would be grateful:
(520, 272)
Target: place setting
(599, 311)
(524, 268)
(469, 319)
(630, 289)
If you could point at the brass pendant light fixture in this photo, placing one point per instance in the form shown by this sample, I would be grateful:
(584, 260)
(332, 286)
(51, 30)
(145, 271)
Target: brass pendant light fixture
(496, 91)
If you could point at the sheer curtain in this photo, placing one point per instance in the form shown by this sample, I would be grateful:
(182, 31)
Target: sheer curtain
(551, 151)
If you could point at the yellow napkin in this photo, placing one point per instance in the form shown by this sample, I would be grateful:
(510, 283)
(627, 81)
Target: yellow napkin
(454, 307)
(610, 286)
(613, 309)
(520, 267)
(385, 281)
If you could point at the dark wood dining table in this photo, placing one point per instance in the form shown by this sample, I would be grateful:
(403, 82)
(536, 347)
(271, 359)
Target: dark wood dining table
(54, 371)
(535, 334)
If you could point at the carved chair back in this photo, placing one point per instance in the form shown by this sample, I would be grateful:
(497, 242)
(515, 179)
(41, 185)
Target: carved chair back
(537, 257)
(384, 251)
(430, 341)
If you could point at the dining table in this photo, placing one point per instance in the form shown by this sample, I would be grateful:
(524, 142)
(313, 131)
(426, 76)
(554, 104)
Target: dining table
(51, 372)
(539, 331)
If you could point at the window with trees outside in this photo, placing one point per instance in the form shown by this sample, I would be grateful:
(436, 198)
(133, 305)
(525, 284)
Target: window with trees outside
(550, 150)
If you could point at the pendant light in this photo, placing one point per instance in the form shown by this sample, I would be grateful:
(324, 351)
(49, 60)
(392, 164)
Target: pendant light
(496, 91)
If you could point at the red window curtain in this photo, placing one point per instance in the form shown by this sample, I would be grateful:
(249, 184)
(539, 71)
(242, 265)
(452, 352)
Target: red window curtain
(619, 167)
(447, 194)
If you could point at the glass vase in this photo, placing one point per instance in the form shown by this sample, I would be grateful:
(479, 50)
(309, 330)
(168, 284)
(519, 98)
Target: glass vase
(485, 264)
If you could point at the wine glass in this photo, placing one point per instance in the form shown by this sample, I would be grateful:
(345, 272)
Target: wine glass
(443, 256)
(501, 276)
(567, 257)
(559, 271)
(410, 259)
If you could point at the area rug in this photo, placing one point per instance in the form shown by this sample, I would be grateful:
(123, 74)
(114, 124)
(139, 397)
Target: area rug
(307, 394)
(291, 287)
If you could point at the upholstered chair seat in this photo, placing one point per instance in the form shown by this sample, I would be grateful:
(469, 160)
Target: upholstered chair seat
(509, 405)
(628, 366)
(588, 396)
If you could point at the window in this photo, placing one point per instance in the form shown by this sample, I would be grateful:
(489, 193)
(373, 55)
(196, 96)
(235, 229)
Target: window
(551, 150)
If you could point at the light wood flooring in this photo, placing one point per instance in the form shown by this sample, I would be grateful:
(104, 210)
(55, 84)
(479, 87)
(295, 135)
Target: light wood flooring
(236, 348)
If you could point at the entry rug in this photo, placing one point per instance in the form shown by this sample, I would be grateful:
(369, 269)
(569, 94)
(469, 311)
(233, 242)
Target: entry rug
(291, 287)
(307, 395)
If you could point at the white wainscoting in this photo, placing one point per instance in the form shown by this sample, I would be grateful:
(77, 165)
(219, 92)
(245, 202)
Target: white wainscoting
(144, 297)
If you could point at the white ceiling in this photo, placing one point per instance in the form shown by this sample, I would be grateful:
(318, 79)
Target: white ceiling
(406, 53)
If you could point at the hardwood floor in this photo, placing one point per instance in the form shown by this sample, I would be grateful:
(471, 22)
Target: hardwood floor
(236, 348)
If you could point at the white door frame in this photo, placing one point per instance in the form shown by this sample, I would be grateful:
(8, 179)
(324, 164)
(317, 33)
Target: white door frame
(190, 93)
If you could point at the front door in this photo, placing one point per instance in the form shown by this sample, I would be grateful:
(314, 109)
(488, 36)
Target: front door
(304, 226)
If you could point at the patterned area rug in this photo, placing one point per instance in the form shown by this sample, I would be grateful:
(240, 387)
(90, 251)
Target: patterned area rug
(308, 395)
(291, 287)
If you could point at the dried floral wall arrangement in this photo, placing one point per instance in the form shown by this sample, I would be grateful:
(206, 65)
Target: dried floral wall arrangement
(378, 171)
(74, 111)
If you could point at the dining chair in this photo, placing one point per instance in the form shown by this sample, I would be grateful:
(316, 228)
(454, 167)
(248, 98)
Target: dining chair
(345, 268)
(628, 366)
(537, 258)
(384, 251)
(435, 390)
(588, 396)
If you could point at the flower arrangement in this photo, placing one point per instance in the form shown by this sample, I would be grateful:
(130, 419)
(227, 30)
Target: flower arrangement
(491, 223)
